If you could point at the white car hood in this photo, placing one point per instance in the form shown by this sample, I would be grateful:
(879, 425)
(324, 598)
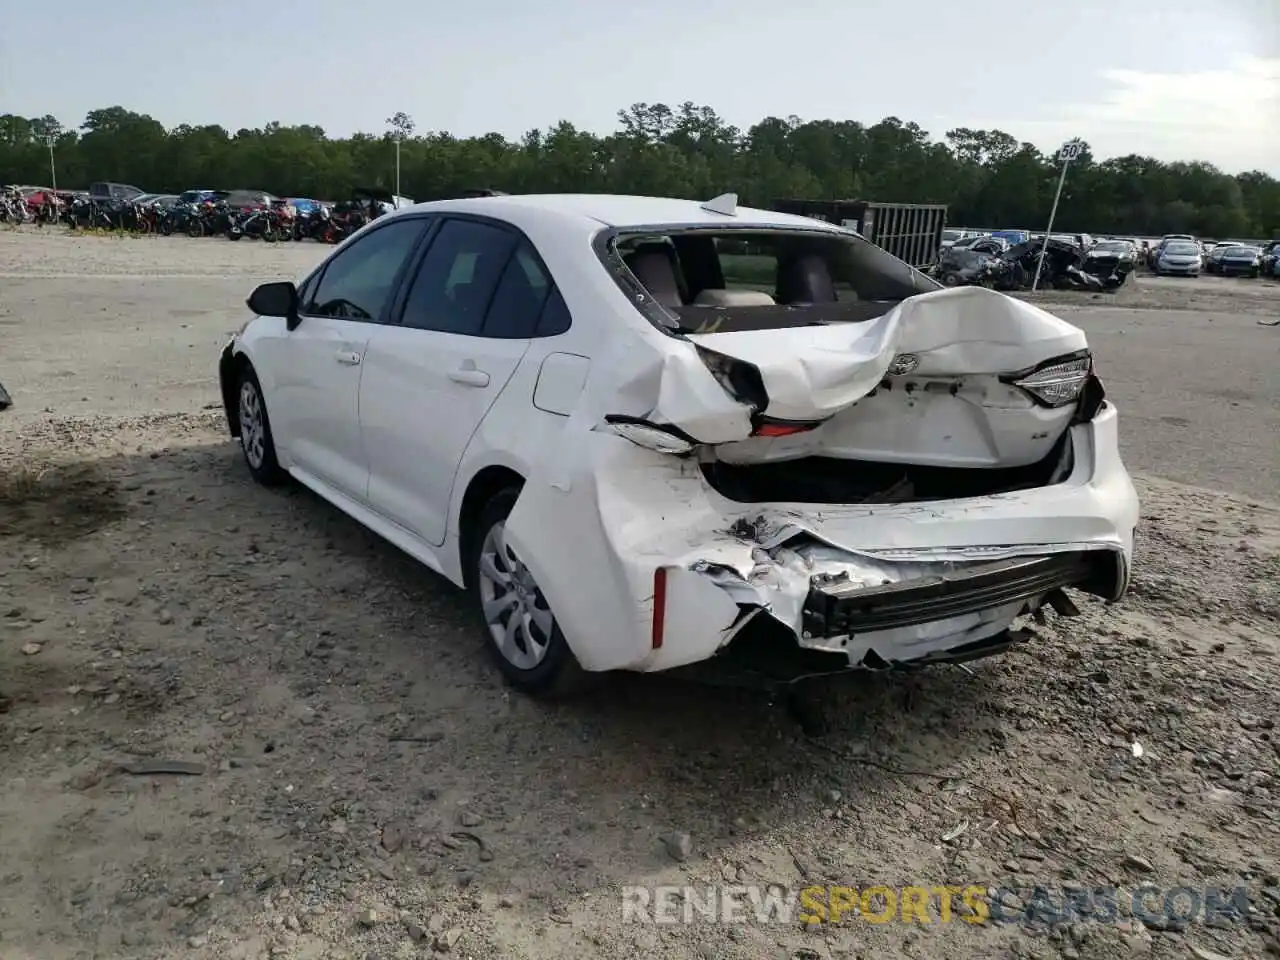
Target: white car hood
(812, 373)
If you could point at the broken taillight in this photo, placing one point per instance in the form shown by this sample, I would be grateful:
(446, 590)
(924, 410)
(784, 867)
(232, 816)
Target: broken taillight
(1056, 382)
(662, 438)
(741, 380)
(781, 428)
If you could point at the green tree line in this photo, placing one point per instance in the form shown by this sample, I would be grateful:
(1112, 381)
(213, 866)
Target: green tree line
(987, 177)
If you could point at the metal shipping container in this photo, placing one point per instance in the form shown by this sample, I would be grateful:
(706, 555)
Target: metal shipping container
(910, 231)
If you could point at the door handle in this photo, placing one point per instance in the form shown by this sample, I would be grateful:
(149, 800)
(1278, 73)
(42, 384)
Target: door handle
(348, 357)
(469, 375)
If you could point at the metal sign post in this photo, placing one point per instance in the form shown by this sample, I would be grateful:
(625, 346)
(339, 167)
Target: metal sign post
(53, 170)
(1069, 152)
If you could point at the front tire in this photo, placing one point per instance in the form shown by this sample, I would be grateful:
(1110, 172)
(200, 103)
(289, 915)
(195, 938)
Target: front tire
(521, 633)
(256, 442)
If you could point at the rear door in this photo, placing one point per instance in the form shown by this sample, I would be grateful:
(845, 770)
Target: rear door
(466, 320)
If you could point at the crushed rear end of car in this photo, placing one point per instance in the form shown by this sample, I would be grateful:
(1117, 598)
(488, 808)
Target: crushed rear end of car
(839, 465)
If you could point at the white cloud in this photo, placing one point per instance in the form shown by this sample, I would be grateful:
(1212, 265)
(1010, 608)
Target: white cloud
(1229, 117)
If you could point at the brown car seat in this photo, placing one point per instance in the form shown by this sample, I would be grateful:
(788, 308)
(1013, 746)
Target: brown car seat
(657, 269)
(805, 279)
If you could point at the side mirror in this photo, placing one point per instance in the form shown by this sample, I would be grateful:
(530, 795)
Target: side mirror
(279, 299)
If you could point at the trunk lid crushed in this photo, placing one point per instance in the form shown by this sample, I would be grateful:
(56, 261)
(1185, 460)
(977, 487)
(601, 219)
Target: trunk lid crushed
(812, 373)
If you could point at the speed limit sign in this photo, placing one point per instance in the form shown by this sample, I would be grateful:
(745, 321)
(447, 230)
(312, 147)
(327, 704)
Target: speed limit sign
(1070, 151)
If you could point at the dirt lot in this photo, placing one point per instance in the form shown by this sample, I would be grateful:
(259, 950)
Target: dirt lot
(352, 780)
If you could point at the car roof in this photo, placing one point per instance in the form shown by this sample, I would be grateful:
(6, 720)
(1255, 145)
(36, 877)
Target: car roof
(618, 211)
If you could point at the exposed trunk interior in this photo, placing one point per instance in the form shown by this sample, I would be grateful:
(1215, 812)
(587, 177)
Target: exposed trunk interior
(833, 480)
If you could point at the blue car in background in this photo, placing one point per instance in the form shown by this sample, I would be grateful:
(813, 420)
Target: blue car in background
(303, 204)
(1014, 237)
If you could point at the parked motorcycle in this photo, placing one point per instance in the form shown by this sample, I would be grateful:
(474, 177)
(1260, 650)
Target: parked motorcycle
(85, 213)
(13, 207)
(311, 225)
(263, 223)
(211, 217)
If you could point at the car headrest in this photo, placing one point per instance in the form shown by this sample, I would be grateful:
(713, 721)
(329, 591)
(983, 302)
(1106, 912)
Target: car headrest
(805, 279)
(654, 265)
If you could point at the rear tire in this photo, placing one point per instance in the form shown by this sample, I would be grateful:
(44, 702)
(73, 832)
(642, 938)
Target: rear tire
(521, 633)
(256, 441)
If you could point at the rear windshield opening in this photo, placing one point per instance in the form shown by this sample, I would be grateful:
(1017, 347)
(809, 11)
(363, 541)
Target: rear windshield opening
(698, 281)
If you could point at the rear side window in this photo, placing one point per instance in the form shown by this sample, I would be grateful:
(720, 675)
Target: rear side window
(555, 318)
(517, 303)
(458, 278)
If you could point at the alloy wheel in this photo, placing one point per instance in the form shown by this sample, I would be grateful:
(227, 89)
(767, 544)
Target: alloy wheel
(252, 429)
(515, 611)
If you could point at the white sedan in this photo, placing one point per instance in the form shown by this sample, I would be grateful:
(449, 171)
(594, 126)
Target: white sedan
(647, 433)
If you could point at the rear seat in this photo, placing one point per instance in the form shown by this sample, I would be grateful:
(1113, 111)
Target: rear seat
(805, 279)
(656, 267)
(733, 298)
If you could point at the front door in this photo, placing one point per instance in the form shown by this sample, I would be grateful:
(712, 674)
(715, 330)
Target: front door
(316, 405)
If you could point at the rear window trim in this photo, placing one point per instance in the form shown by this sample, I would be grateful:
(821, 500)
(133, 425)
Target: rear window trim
(604, 245)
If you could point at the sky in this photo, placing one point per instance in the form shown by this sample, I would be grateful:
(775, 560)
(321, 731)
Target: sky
(1173, 79)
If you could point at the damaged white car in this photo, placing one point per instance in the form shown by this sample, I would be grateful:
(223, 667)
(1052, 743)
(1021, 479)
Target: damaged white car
(648, 433)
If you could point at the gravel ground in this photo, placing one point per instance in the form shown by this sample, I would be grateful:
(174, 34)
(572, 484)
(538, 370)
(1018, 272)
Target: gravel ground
(236, 725)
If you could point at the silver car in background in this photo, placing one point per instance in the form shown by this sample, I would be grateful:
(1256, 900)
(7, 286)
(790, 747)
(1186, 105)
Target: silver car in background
(1178, 258)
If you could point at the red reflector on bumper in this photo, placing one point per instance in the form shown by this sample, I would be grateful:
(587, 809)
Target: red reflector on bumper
(659, 605)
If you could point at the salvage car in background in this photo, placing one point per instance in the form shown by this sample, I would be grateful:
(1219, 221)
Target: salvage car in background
(1112, 258)
(1269, 262)
(639, 454)
(971, 260)
(1235, 260)
(954, 236)
(1158, 249)
(109, 193)
(1177, 258)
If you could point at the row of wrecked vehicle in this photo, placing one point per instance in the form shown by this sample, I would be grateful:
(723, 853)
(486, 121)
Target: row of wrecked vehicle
(992, 261)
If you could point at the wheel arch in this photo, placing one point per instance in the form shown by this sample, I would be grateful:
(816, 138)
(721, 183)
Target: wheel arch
(487, 483)
(230, 365)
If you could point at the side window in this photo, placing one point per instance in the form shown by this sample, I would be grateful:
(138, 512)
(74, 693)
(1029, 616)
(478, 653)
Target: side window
(357, 283)
(517, 303)
(555, 317)
(458, 278)
(308, 288)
